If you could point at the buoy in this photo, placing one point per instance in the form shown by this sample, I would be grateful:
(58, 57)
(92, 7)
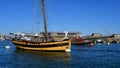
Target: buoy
(7, 46)
(91, 44)
(95, 42)
(108, 43)
(117, 41)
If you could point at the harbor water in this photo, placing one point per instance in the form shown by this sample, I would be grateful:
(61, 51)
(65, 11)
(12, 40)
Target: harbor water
(97, 56)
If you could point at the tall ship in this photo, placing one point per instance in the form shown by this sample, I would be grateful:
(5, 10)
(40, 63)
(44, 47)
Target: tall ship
(42, 43)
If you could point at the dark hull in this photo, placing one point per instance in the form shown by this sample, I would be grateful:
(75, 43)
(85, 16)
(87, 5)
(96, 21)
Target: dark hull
(80, 43)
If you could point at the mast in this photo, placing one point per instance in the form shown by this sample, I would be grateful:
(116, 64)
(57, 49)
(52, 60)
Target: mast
(45, 23)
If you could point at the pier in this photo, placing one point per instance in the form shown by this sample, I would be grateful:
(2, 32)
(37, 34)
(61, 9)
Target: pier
(105, 39)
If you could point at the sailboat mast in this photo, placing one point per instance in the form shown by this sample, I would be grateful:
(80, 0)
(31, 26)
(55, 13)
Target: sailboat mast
(45, 23)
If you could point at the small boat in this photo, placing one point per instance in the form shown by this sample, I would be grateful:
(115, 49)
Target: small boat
(43, 43)
(99, 41)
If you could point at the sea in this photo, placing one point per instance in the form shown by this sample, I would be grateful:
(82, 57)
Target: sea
(81, 56)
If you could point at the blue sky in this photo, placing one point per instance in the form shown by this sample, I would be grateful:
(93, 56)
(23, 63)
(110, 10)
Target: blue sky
(85, 16)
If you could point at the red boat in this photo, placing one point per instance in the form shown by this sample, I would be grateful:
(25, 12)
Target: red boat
(80, 41)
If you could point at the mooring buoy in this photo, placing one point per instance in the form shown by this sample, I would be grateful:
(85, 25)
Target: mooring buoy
(7, 47)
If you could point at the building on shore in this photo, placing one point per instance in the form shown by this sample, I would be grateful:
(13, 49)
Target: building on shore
(56, 35)
(96, 35)
(116, 38)
(61, 35)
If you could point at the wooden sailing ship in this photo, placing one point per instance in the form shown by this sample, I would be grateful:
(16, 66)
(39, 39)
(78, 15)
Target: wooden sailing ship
(46, 44)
